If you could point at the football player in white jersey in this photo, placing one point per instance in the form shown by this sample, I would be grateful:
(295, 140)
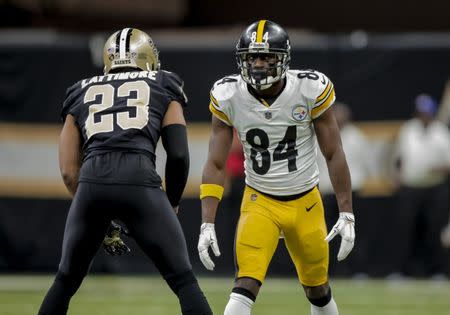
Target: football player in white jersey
(277, 113)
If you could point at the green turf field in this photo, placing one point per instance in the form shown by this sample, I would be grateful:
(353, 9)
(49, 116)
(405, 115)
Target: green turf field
(113, 295)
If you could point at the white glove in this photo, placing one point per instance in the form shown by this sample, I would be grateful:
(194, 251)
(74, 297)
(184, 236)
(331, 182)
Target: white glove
(207, 238)
(345, 226)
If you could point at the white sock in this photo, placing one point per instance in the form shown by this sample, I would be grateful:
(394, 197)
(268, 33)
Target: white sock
(238, 305)
(329, 309)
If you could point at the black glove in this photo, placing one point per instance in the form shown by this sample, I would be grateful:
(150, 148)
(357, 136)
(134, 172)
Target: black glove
(113, 244)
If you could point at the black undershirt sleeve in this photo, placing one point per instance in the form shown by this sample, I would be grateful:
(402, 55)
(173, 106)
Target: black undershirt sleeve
(174, 140)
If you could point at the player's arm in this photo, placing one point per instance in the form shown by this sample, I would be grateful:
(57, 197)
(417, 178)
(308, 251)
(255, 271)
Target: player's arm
(214, 169)
(328, 137)
(174, 140)
(70, 154)
(211, 189)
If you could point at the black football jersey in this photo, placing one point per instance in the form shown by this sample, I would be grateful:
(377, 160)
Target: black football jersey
(121, 112)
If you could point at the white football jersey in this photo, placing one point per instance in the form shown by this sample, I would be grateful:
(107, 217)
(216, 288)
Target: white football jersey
(278, 140)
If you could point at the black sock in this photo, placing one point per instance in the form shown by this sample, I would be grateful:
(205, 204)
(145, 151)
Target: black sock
(322, 301)
(56, 302)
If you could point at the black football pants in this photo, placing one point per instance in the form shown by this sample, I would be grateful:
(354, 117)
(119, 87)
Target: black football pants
(147, 214)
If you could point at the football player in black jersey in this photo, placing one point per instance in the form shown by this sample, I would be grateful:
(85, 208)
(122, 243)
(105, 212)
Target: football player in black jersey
(112, 124)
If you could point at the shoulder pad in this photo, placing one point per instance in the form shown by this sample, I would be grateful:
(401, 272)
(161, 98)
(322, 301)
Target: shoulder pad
(222, 91)
(225, 88)
(319, 89)
(315, 83)
(174, 85)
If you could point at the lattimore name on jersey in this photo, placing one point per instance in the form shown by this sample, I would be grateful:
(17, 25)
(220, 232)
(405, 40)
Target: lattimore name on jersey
(119, 76)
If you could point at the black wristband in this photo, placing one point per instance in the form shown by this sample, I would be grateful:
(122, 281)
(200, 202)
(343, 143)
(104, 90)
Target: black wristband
(174, 140)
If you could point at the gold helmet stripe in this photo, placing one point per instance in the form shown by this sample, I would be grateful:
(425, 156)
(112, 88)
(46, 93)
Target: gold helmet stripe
(260, 30)
(122, 43)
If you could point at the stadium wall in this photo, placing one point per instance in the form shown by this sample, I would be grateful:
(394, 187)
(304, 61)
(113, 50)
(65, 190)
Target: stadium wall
(378, 80)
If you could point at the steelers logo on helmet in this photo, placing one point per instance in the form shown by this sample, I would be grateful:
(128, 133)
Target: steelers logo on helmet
(269, 42)
(299, 112)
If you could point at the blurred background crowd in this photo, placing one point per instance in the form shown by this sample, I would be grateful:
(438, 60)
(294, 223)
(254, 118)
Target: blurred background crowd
(390, 66)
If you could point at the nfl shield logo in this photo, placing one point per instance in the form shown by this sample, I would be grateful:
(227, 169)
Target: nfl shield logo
(268, 115)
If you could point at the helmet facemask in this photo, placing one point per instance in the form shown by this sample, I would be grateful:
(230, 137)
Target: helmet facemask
(262, 78)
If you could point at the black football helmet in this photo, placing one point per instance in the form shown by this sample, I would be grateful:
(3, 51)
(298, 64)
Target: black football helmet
(263, 37)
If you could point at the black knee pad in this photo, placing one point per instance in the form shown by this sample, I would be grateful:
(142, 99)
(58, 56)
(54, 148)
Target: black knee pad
(322, 301)
(177, 281)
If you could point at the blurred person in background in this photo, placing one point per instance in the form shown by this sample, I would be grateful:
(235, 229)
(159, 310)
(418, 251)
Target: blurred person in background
(444, 116)
(422, 163)
(357, 153)
(277, 113)
(112, 124)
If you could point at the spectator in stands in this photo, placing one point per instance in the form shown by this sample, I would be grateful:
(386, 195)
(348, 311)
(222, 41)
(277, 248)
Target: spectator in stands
(444, 116)
(356, 150)
(422, 164)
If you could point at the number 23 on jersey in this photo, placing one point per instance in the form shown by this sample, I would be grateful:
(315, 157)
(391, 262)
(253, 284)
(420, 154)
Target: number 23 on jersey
(98, 121)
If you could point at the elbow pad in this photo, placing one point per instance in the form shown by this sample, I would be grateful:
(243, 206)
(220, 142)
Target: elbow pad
(174, 140)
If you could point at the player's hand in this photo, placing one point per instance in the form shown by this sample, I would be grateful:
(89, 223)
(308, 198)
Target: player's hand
(175, 209)
(345, 227)
(112, 243)
(207, 238)
(445, 236)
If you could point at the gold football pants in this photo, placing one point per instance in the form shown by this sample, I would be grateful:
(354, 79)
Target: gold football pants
(303, 225)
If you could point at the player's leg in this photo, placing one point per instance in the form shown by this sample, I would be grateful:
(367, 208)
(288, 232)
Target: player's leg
(256, 240)
(155, 227)
(243, 296)
(305, 234)
(321, 299)
(84, 231)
